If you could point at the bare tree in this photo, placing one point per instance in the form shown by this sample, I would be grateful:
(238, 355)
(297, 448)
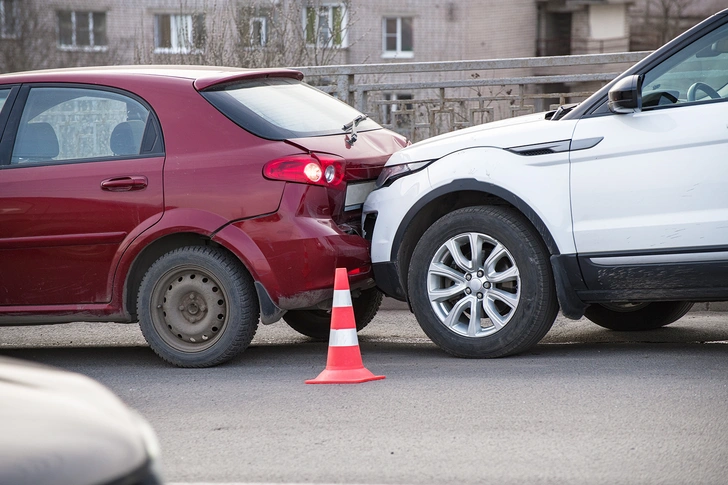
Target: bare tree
(29, 40)
(668, 15)
(257, 33)
(660, 21)
(25, 38)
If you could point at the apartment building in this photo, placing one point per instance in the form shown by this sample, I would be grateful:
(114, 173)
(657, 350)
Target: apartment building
(291, 32)
(252, 33)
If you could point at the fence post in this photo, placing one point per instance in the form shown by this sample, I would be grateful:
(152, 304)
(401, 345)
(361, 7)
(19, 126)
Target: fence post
(342, 87)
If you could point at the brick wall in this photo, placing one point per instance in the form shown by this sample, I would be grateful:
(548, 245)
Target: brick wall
(455, 30)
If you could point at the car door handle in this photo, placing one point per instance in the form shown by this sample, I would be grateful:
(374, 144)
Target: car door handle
(124, 184)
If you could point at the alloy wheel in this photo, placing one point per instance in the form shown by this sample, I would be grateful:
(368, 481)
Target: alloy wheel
(473, 284)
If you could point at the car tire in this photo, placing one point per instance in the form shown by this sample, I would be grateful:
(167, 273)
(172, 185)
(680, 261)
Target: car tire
(317, 323)
(197, 307)
(508, 287)
(635, 317)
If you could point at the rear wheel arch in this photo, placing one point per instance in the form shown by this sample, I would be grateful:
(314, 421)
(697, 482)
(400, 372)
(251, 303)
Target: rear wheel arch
(167, 243)
(147, 257)
(454, 196)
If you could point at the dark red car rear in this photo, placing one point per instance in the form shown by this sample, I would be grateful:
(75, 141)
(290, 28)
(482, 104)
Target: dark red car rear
(195, 200)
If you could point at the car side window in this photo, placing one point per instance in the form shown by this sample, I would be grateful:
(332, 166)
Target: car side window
(76, 124)
(4, 93)
(696, 73)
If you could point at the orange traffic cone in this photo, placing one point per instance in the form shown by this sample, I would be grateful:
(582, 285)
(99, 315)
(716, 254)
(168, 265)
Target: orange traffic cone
(344, 364)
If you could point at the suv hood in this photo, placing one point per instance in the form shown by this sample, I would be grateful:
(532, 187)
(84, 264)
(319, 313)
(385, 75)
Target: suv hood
(513, 132)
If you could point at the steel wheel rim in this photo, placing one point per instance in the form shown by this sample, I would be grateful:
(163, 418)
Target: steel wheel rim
(190, 308)
(473, 284)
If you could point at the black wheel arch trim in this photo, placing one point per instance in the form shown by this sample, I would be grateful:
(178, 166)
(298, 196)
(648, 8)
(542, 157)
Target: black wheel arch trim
(568, 281)
(388, 274)
(461, 185)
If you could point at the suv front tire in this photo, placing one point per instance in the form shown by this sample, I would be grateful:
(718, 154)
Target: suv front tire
(480, 283)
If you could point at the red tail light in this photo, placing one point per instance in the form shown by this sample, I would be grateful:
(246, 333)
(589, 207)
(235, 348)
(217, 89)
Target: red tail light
(313, 169)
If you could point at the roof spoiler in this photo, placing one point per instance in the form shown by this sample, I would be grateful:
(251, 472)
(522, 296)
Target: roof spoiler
(205, 82)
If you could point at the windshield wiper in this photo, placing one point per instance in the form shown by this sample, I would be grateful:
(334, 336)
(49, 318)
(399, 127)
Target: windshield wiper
(562, 110)
(350, 127)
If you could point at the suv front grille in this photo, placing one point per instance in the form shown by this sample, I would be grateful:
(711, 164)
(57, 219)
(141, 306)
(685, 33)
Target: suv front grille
(369, 225)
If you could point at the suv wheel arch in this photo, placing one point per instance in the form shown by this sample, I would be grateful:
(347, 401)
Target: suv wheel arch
(450, 197)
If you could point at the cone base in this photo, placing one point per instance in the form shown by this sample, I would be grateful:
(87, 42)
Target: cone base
(345, 376)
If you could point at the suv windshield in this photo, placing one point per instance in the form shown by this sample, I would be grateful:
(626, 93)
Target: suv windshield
(282, 108)
(699, 72)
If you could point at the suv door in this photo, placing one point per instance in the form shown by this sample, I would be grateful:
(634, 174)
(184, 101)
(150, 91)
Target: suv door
(656, 184)
(81, 175)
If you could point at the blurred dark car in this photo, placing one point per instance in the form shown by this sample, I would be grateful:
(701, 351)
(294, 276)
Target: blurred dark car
(62, 428)
(195, 200)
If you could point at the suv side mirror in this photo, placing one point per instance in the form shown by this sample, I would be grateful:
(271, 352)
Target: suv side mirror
(625, 97)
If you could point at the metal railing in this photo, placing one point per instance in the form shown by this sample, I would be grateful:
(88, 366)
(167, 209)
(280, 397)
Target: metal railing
(557, 46)
(423, 99)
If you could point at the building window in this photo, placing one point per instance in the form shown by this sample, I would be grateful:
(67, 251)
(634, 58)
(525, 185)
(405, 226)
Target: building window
(82, 30)
(258, 31)
(179, 34)
(326, 25)
(8, 18)
(397, 38)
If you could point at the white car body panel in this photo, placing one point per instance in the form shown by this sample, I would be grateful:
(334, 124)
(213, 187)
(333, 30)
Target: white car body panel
(653, 191)
(399, 199)
(439, 146)
(478, 153)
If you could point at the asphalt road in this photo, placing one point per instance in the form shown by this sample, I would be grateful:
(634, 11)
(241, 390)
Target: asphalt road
(585, 406)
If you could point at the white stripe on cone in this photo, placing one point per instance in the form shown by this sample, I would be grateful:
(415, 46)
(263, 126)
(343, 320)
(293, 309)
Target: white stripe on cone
(343, 338)
(342, 298)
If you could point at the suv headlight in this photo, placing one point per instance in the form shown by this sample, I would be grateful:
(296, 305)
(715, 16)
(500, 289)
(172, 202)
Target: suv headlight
(393, 172)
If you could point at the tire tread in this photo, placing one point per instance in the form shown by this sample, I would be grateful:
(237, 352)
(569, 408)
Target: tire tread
(546, 302)
(242, 295)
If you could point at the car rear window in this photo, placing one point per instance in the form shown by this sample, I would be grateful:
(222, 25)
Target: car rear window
(282, 108)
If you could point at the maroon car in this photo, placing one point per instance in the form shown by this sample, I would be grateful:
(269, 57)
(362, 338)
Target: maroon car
(198, 201)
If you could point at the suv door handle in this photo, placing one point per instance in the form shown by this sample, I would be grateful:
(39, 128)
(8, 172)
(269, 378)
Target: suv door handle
(124, 184)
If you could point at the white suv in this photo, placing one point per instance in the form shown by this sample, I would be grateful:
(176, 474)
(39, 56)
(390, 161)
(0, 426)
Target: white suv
(616, 209)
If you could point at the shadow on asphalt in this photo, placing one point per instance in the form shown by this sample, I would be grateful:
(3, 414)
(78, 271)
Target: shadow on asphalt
(313, 355)
(676, 333)
(392, 337)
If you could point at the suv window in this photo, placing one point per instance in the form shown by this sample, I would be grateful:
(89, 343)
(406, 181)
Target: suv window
(697, 73)
(62, 124)
(282, 108)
